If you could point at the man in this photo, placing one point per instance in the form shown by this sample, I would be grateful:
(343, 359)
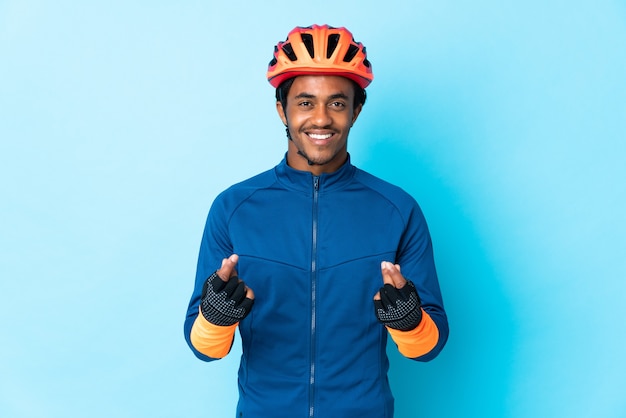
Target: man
(315, 260)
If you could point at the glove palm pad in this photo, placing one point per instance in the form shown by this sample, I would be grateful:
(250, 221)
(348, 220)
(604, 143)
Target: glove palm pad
(399, 308)
(224, 303)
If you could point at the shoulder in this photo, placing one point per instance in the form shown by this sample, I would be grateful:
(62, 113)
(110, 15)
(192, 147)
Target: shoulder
(403, 203)
(259, 181)
(240, 192)
(394, 194)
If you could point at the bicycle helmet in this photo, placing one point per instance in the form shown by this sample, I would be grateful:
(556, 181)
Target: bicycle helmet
(320, 50)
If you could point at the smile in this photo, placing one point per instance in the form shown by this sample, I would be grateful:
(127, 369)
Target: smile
(320, 136)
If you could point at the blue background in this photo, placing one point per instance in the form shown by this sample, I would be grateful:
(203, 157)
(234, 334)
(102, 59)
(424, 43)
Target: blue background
(121, 121)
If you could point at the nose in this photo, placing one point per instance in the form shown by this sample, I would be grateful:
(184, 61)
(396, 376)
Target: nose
(322, 117)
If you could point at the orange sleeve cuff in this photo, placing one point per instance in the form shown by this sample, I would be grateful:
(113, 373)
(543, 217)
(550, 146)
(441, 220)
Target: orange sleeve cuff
(212, 340)
(418, 341)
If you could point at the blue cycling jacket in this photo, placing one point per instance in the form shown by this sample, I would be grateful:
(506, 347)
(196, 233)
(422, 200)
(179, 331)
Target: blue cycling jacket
(310, 248)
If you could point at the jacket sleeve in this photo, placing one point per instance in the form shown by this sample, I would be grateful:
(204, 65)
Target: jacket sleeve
(416, 259)
(212, 340)
(205, 340)
(419, 341)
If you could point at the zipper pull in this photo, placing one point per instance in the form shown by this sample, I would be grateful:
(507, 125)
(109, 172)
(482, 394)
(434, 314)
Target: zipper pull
(316, 183)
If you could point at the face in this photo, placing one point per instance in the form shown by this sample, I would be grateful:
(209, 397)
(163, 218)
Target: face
(319, 114)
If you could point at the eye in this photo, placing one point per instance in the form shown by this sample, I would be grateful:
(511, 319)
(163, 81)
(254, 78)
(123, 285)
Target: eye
(305, 103)
(338, 105)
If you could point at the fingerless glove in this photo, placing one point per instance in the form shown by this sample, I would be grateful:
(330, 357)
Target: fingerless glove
(224, 303)
(399, 308)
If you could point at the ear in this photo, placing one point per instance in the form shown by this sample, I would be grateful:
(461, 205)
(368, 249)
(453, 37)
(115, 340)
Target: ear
(281, 112)
(357, 111)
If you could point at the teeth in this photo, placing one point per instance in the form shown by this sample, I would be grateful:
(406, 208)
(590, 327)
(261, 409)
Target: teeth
(318, 136)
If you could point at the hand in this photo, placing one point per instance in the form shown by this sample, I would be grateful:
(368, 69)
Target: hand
(391, 275)
(226, 299)
(397, 304)
(228, 271)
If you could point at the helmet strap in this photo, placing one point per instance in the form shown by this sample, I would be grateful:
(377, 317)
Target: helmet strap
(300, 153)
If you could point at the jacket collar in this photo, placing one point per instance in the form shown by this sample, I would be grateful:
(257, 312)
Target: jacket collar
(304, 180)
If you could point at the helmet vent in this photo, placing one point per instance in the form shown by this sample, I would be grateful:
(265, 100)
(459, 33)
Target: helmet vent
(307, 40)
(333, 41)
(366, 61)
(352, 51)
(288, 50)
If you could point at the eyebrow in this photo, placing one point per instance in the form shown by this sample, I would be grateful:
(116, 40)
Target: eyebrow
(331, 97)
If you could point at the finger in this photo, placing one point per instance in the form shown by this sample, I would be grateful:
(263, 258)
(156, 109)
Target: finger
(386, 269)
(249, 292)
(234, 289)
(377, 295)
(228, 267)
(388, 296)
(398, 279)
(392, 275)
(378, 304)
(246, 304)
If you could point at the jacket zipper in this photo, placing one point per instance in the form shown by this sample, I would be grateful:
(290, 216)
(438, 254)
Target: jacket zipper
(316, 182)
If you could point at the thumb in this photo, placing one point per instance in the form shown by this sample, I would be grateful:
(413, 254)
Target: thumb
(227, 270)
